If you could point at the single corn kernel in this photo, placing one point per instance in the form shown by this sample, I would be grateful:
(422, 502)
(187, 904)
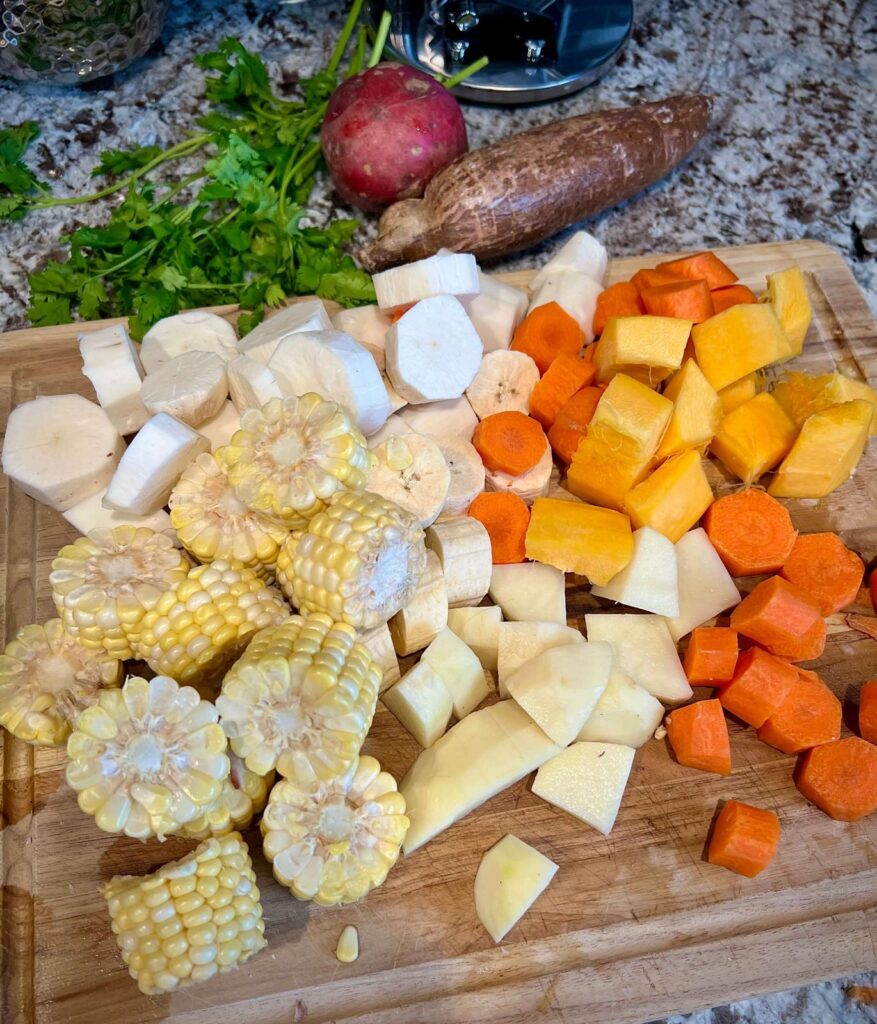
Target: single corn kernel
(347, 950)
(334, 841)
(147, 759)
(46, 678)
(244, 795)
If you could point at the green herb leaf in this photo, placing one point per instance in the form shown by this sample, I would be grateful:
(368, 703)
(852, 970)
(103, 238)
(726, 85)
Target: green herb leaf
(48, 310)
(114, 162)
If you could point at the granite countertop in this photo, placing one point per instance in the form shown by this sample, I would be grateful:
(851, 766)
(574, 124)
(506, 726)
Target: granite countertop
(790, 157)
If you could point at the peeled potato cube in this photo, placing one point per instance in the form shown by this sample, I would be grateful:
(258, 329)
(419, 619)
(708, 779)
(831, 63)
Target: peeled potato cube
(650, 580)
(705, 585)
(510, 878)
(478, 628)
(421, 702)
(529, 592)
(521, 641)
(459, 669)
(625, 714)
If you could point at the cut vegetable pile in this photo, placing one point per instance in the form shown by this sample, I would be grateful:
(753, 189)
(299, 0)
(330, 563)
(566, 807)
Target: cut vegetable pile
(294, 512)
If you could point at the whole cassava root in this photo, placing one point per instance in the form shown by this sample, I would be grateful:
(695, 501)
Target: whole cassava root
(525, 188)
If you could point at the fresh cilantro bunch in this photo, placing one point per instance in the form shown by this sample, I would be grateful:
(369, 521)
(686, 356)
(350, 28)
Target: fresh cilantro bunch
(229, 231)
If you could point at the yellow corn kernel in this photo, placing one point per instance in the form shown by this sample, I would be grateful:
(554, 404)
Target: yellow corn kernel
(244, 795)
(347, 950)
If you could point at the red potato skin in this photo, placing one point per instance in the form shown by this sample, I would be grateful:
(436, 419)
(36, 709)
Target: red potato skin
(387, 131)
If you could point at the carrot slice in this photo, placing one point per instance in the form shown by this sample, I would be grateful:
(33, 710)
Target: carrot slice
(752, 532)
(711, 656)
(688, 300)
(775, 613)
(620, 299)
(810, 715)
(732, 295)
(650, 278)
(808, 647)
(744, 838)
(823, 567)
(547, 331)
(566, 375)
(698, 734)
(506, 517)
(705, 265)
(571, 424)
(841, 778)
(868, 711)
(759, 688)
(509, 442)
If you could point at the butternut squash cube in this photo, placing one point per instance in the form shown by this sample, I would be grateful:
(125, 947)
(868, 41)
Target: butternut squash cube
(738, 341)
(672, 498)
(648, 348)
(603, 476)
(801, 394)
(697, 411)
(593, 542)
(825, 453)
(734, 395)
(754, 438)
(787, 293)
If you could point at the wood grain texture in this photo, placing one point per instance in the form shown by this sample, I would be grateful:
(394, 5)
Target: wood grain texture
(634, 926)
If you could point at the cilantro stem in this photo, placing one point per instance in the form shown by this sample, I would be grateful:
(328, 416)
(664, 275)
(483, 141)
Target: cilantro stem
(344, 38)
(461, 76)
(358, 60)
(380, 38)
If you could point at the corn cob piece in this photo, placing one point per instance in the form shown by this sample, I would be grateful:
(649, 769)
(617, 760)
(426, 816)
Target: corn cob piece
(212, 522)
(46, 678)
(190, 920)
(104, 584)
(148, 758)
(244, 795)
(334, 841)
(301, 699)
(359, 560)
(199, 627)
(292, 455)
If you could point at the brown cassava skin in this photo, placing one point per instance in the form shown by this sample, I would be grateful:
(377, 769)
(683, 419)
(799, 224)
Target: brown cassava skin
(516, 192)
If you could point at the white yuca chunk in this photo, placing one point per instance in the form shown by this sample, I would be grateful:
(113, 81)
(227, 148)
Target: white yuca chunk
(261, 343)
(421, 702)
(529, 592)
(706, 588)
(152, 464)
(467, 473)
(111, 363)
(446, 273)
(221, 428)
(483, 754)
(625, 714)
(452, 417)
(459, 669)
(60, 449)
(191, 387)
(433, 351)
(581, 252)
(379, 644)
(250, 383)
(555, 490)
(411, 471)
(187, 332)
(645, 651)
(396, 401)
(575, 293)
(528, 486)
(91, 514)
(495, 312)
(560, 687)
(503, 383)
(463, 549)
(511, 876)
(650, 580)
(478, 628)
(587, 780)
(368, 325)
(394, 425)
(425, 614)
(333, 365)
(518, 642)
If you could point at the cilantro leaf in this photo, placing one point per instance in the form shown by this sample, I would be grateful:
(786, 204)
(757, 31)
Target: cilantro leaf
(48, 310)
(114, 162)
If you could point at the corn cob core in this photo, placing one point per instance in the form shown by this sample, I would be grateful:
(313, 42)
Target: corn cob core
(292, 455)
(359, 560)
(244, 795)
(332, 842)
(46, 678)
(105, 583)
(194, 918)
(301, 699)
(200, 626)
(147, 759)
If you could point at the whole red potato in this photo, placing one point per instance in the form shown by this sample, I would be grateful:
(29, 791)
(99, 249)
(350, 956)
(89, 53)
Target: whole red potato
(387, 131)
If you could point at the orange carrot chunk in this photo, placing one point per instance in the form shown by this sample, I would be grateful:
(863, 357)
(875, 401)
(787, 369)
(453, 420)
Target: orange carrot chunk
(711, 656)
(509, 442)
(650, 278)
(752, 532)
(760, 686)
(841, 778)
(698, 734)
(810, 715)
(620, 299)
(808, 647)
(688, 300)
(546, 332)
(823, 567)
(744, 838)
(571, 424)
(705, 265)
(775, 613)
(566, 375)
(868, 711)
(732, 295)
(506, 517)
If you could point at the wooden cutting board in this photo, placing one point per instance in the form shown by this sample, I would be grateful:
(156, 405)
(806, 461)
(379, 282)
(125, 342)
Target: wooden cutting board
(635, 925)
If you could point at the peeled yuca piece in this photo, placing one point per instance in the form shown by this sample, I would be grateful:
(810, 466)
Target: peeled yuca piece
(478, 628)
(495, 312)
(421, 702)
(645, 651)
(445, 273)
(510, 878)
(738, 341)
(705, 585)
(576, 537)
(529, 592)
(625, 714)
(649, 581)
(261, 343)
(521, 641)
(459, 669)
(193, 330)
(479, 757)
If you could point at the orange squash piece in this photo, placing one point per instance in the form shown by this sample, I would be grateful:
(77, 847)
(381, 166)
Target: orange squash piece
(754, 438)
(697, 411)
(737, 342)
(698, 734)
(672, 498)
(787, 293)
(744, 838)
(734, 395)
(648, 348)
